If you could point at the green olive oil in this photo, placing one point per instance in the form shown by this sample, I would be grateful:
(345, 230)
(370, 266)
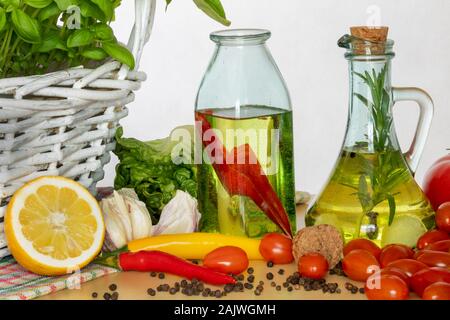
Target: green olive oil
(268, 131)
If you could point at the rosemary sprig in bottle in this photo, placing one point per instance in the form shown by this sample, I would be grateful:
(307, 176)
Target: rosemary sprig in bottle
(379, 177)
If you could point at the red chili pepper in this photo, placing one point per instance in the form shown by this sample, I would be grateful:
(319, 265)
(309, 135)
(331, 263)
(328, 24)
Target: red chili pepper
(159, 261)
(246, 179)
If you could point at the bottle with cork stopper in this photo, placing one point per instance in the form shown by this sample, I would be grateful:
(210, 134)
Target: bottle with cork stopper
(371, 192)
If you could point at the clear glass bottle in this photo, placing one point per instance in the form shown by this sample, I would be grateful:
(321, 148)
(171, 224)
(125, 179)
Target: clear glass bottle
(371, 192)
(244, 128)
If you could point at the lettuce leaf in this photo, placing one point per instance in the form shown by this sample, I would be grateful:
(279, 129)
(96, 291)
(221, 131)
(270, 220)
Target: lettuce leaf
(147, 167)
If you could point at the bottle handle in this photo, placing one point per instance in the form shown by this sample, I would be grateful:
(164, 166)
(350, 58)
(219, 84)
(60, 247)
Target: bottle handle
(423, 125)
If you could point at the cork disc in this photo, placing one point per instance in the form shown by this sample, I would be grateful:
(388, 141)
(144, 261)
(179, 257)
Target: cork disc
(369, 40)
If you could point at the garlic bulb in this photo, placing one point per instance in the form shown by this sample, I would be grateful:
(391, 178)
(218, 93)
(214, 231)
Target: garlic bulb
(180, 215)
(126, 218)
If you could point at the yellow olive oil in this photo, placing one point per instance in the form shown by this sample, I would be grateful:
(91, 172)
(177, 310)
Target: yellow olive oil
(362, 193)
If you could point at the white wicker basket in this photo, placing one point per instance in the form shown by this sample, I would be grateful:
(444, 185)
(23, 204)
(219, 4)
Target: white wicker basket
(63, 123)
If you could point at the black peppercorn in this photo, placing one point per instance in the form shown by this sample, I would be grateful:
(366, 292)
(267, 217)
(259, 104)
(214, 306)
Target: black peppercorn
(269, 276)
(269, 264)
(94, 295)
(151, 292)
(248, 286)
(115, 296)
(107, 296)
(250, 270)
(113, 287)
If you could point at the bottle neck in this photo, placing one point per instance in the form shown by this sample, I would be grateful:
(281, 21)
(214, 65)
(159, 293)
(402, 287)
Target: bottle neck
(242, 75)
(370, 125)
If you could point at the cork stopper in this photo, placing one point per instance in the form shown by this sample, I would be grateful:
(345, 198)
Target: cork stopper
(369, 40)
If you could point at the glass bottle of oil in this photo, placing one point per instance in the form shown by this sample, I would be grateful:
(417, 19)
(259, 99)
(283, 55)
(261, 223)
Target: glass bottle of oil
(244, 139)
(371, 192)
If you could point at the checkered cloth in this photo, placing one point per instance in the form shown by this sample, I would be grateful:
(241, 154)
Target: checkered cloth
(16, 283)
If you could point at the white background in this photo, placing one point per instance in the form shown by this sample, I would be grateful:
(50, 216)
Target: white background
(303, 43)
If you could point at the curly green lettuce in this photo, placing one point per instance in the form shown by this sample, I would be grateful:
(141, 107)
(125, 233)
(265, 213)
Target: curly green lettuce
(147, 167)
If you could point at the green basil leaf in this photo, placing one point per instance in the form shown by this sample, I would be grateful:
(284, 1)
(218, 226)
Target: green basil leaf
(214, 9)
(48, 12)
(119, 52)
(64, 4)
(2, 19)
(102, 31)
(38, 3)
(26, 27)
(10, 5)
(90, 10)
(51, 41)
(167, 3)
(106, 6)
(79, 38)
(94, 53)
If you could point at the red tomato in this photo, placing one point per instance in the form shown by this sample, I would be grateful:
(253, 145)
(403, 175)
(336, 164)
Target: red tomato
(394, 252)
(443, 217)
(363, 244)
(389, 287)
(359, 264)
(431, 237)
(313, 265)
(227, 259)
(409, 266)
(435, 258)
(423, 278)
(443, 245)
(437, 291)
(276, 247)
(394, 272)
(437, 182)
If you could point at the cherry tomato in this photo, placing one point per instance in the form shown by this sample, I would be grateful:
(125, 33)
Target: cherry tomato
(443, 217)
(409, 266)
(228, 259)
(363, 244)
(423, 278)
(396, 272)
(359, 264)
(443, 245)
(313, 265)
(389, 287)
(437, 182)
(437, 291)
(434, 258)
(277, 248)
(431, 237)
(394, 252)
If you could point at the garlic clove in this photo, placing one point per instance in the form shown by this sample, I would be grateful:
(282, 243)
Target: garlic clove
(115, 232)
(180, 215)
(122, 213)
(140, 218)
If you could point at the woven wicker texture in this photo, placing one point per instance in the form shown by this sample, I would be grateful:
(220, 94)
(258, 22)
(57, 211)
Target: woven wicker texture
(63, 123)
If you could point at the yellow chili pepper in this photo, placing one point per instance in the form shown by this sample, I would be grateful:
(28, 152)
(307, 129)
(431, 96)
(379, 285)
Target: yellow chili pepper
(195, 245)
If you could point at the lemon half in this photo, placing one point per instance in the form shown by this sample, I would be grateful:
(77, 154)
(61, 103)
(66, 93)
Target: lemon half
(54, 226)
